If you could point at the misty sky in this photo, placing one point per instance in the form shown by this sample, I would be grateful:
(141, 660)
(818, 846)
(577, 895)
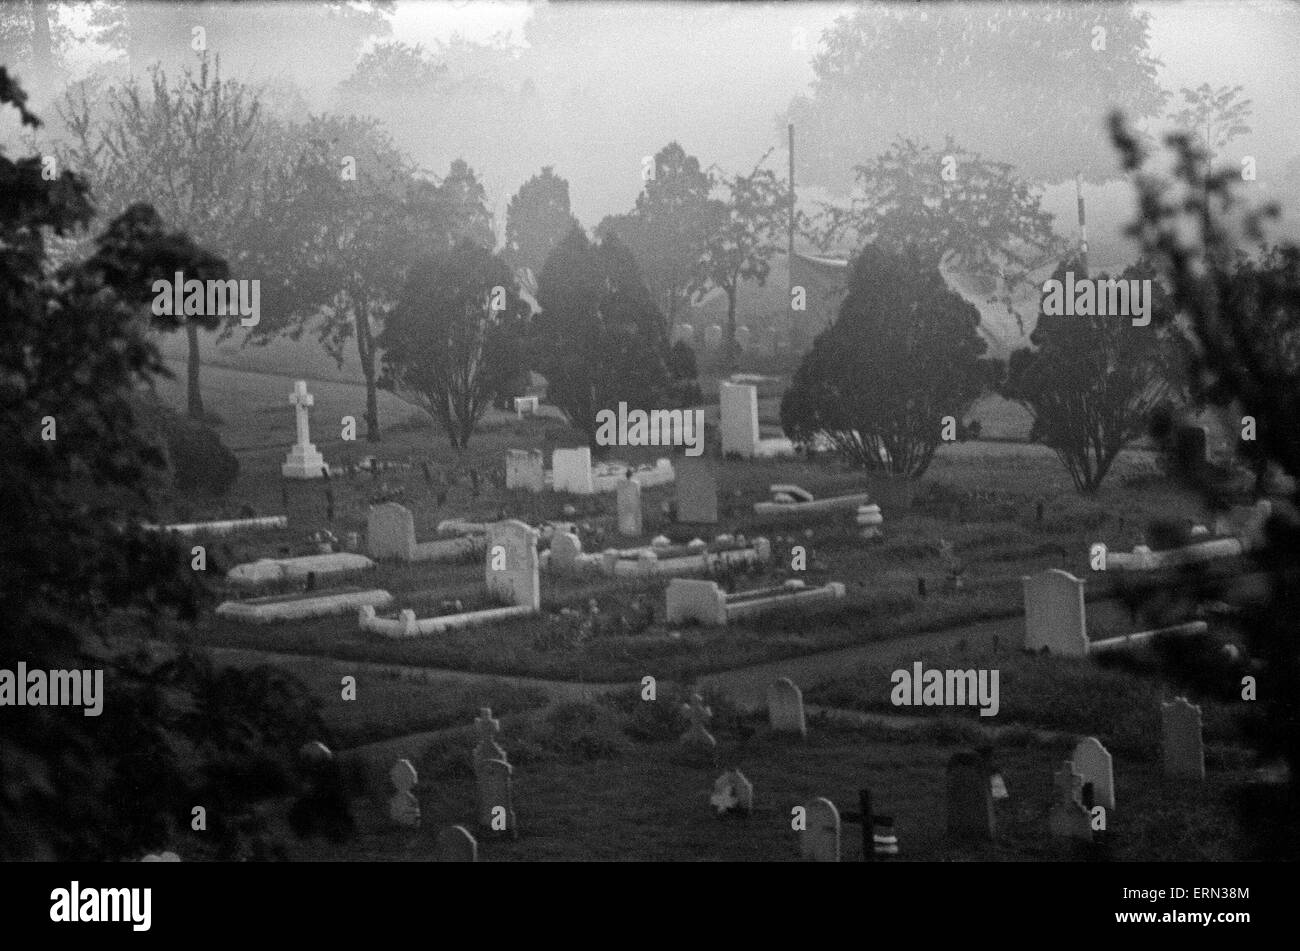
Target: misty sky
(715, 77)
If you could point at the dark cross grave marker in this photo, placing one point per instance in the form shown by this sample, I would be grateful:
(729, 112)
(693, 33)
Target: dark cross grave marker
(878, 839)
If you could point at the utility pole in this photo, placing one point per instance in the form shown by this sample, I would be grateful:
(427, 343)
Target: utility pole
(1083, 224)
(789, 295)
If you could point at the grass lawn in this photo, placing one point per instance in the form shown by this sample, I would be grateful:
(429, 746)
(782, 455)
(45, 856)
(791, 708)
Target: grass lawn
(585, 789)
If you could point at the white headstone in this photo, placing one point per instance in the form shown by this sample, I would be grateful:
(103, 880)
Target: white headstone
(693, 599)
(494, 795)
(629, 508)
(525, 469)
(455, 844)
(571, 471)
(785, 707)
(1054, 613)
(566, 549)
(738, 409)
(404, 808)
(1183, 745)
(733, 792)
(820, 841)
(512, 564)
(303, 462)
(390, 532)
(1092, 761)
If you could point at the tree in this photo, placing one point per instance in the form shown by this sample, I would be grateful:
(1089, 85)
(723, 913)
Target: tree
(1212, 117)
(952, 208)
(903, 353)
(171, 732)
(189, 149)
(537, 219)
(1239, 298)
(599, 338)
(1091, 383)
(451, 338)
(668, 230)
(890, 69)
(462, 207)
(350, 220)
(745, 230)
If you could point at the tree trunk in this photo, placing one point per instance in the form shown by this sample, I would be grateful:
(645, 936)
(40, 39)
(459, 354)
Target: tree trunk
(366, 351)
(729, 345)
(194, 396)
(42, 48)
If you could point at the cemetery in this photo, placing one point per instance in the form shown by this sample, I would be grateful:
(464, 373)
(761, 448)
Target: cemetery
(777, 518)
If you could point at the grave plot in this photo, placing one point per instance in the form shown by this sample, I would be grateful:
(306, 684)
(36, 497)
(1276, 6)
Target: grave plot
(304, 460)
(705, 603)
(659, 559)
(297, 607)
(1056, 618)
(572, 471)
(511, 576)
(790, 500)
(390, 535)
(224, 526)
(270, 570)
(1243, 529)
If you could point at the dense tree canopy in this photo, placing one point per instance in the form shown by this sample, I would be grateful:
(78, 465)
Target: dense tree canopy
(904, 352)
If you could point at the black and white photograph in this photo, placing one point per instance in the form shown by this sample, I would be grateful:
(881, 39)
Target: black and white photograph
(651, 432)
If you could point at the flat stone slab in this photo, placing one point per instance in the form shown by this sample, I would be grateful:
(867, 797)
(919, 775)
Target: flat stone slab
(408, 625)
(225, 527)
(296, 607)
(802, 502)
(280, 569)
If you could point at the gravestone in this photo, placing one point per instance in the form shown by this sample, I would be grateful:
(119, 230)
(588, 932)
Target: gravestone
(738, 413)
(1182, 743)
(1092, 761)
(684, 333)
(455, 844)
(697, 491)
(695, 599)
(566, 549)
(571, 471)
(1068, 817)
(970, 798)
(390, 532)
(743, 337)
(1054, 613)
(525, 469)
(304, 461)
(515, 582)
(698, 737)
(785, 707)
(404, 808)
(820, 841)
(629, 508)
(487, 727)
(733, 793)
(494, 796)
(713, 336)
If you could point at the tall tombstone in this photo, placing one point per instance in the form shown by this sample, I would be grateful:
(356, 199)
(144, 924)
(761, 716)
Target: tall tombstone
(303, 461)
(571, 471)
(820, 840)
(496, 811)
(1093, 762)
(628, 492)
(785, 707)
(743, 337)
(390, 532)
(713, 336)
(1055, 617)
(1068, 817)
(525, 469)
(970, 797)
(455, 844)
(738, 409)
(697, 491)
(487, 727)
(403, 807)
(1182, 742)
(512, 564)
